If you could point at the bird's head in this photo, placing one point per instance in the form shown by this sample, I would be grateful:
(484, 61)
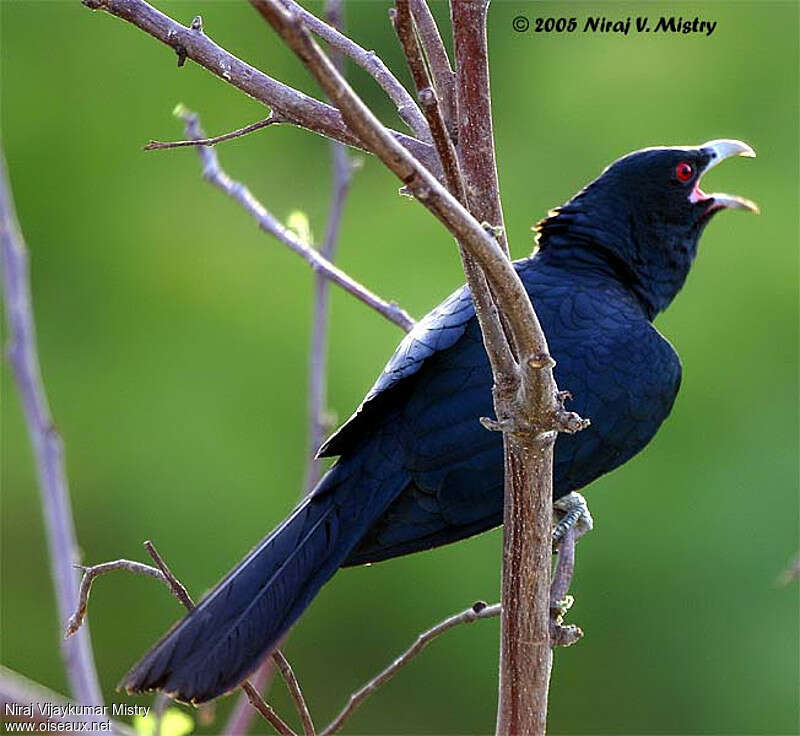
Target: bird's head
(644, 215)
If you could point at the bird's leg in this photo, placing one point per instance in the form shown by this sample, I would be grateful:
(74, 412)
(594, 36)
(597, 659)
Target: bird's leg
(571, 511)
(572, 520)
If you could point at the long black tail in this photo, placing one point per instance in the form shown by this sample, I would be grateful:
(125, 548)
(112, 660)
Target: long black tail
(221, 642)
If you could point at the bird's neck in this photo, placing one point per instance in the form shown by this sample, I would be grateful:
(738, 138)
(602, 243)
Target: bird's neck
(572, 237)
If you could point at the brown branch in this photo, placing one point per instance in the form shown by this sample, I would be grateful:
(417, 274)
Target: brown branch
(292, 105)
(175, 585)
(213, 173)
(161, 145)
(500, 355)
(294, 690)
(444, 79)
(525, 651)
(75, 621)
(478, 611)
(406, 32)
(425, 187)
(369, 61)
(47, 444)
(525, 393)
(242, 714)
(560, 635)
(266, 710)
(475, 133)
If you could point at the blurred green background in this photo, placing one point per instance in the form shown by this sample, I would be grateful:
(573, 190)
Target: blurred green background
(174, 340)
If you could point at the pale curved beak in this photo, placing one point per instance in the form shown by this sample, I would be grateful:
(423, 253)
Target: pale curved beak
(718, 151)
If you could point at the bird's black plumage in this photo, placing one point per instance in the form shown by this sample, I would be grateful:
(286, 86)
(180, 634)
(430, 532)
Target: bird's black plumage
(416, 469)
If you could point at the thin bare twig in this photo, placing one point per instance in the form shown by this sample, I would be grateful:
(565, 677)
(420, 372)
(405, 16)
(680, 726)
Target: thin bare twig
(291, 104)
(476, 612)
(266, 710)
(500, 355)
(294, 690)
(214, 174)
(47, 444)
(242, 714)
(444, 78)
(560, 635)
(318, 418)
(175, 585)
(342, 170)
(161, 145)
(17, 692)
(370, 62)
(255, 698)
(425, 187)
(90, 573)
(163, 573)
(431, 104)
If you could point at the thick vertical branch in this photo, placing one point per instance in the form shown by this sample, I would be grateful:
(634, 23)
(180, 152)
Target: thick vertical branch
(474, 103)
(525, 654)
(47, 446)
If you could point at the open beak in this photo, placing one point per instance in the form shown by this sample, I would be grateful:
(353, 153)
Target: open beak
(718, 151)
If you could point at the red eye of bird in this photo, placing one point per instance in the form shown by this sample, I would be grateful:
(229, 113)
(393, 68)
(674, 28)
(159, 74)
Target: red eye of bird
(684, 171)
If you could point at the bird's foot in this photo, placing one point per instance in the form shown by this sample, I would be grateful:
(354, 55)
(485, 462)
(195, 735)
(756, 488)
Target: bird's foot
(561, 634)
(571, 520)
(571, 512)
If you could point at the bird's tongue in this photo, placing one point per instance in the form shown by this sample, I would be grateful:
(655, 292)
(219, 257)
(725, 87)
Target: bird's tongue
(720, 200)
(720, 150)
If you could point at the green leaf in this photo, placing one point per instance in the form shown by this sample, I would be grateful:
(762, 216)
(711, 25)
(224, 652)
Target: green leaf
(298, 223)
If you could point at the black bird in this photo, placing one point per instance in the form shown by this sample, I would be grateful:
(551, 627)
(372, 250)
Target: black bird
(416, 469)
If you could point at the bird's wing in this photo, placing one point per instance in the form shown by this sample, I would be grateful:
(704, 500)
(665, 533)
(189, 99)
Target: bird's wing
(438, 330)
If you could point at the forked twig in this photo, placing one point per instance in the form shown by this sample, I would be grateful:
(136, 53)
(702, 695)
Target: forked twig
(75, 621)
(267, 222)
(163, 573)
(294, 689)
(293, 106)
(369, 61)
(238, 133)
(444, 78)
(475, 612)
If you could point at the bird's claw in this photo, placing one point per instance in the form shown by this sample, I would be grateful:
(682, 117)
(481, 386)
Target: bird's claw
(571, 511)
(560, 607)
(564, 636)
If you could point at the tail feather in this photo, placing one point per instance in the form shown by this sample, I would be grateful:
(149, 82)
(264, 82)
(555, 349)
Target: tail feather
(218, 644)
